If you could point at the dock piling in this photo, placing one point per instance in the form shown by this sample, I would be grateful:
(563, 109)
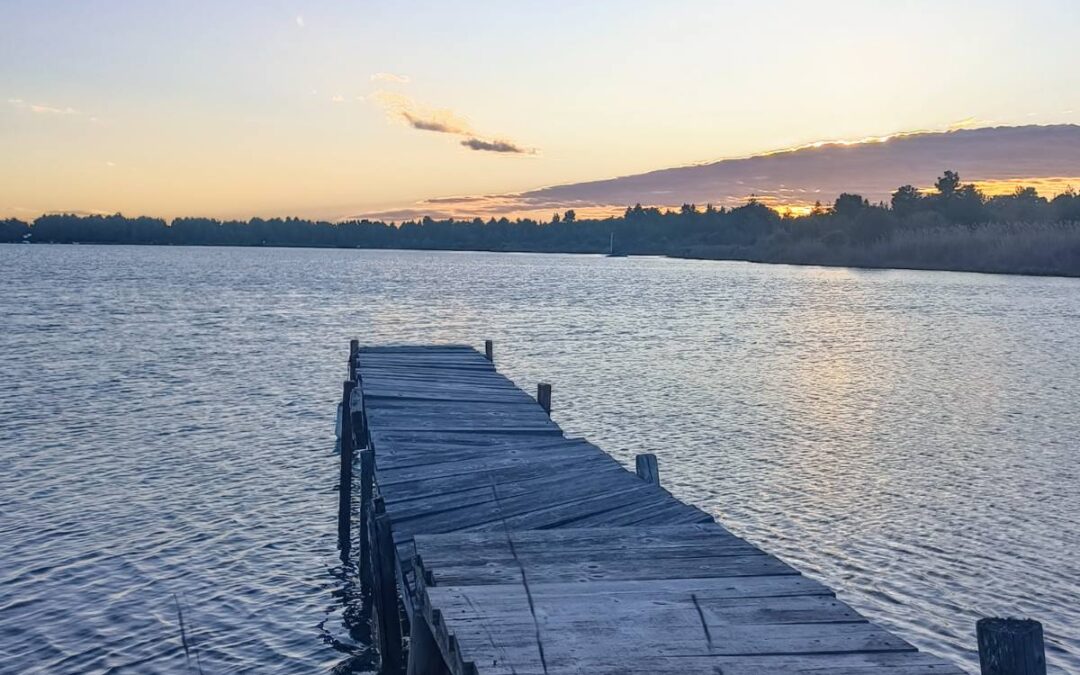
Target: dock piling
(489, 350)
(543, 396)
(367, 475)
(345, 477)
(386, 599)
(354, 348)
(647, 468)
(1011, 647)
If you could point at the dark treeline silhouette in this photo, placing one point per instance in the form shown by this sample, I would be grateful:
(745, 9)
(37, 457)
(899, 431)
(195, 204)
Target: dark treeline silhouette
(954, 227)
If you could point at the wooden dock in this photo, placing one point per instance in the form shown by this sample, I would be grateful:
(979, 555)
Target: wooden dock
(500, 546)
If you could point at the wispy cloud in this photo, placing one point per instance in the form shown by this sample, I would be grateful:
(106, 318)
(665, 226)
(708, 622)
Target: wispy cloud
(439, 121)
(400, 107)
(494, 146)
(390, 77)
(300, 20)
(42, 109)
(443, 121)
(337, 98)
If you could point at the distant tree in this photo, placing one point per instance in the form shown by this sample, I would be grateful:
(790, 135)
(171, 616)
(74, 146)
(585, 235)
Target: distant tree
(569, 216)
(688, 209)
(555, 219)
(849, 205)
(1066, 206)
(906, 200)
(947, 184)
(966, 205)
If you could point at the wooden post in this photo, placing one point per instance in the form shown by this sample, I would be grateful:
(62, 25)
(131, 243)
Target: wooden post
(424, 655)
(389, 620)
(489, 350)
(647, 468)
(543, 396)
(367, 484)
(1011, 647)
(345, 477)
(354, 347)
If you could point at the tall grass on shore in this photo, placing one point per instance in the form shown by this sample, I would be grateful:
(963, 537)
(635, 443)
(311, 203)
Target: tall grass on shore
(1014, 248)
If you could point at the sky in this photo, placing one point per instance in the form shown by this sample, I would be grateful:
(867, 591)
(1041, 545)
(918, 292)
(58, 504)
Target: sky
(333, 109)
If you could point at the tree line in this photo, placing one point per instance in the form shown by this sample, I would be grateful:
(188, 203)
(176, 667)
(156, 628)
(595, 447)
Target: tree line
(849, 231)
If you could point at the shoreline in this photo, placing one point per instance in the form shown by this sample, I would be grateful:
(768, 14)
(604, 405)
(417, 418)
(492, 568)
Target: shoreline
(674, 256)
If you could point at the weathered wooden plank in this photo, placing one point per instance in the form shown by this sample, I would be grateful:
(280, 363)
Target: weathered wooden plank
(483, 464)
(575, 538)
(564, 515)
(587, 477)
(713, 588)
(648, 636)
(502, 553)
(413, 347)
(403, 439)
(521, 512)
(394, 456)
(752, 564)
(856, 663)
(685, 612)
(404, 499)
(478, 423)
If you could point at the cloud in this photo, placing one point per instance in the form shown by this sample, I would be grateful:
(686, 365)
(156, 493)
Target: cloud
(439, 121)
(402, 108)
(337, 98)
(494, 146)
(390, 77)
(995, 158)
(300, 20)
(42, 109)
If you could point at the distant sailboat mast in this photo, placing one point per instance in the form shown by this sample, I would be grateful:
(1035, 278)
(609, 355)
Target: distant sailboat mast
(611, 248)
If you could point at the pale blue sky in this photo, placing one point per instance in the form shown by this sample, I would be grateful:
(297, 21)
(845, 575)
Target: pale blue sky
(243, 108)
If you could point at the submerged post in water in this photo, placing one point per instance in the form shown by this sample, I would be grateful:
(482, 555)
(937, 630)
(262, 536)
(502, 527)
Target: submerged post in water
(489, 350)
(1011, 647)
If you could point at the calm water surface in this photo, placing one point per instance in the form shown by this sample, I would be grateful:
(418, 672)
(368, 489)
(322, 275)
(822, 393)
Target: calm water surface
(167, 414)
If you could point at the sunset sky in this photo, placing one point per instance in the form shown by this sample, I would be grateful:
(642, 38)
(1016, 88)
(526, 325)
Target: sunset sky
(332, 109)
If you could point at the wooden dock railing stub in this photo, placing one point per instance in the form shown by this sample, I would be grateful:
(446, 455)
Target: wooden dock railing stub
(519, 550)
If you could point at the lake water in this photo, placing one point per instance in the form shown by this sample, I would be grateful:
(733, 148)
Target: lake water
(167, 434)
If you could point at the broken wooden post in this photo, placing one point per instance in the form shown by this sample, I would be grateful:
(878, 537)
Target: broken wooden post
(354, 348)
(1011, 647)
(388, 619)
(543, 396)
(345, 477)
(647, 468)
(489, 350)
